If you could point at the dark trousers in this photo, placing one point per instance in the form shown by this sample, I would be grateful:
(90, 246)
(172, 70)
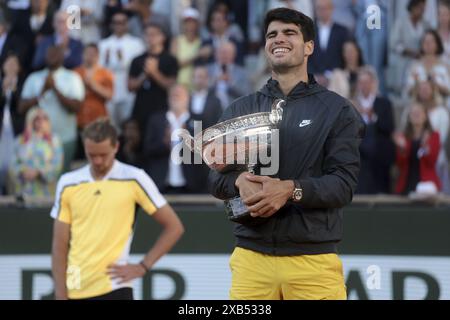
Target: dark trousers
(119, 294)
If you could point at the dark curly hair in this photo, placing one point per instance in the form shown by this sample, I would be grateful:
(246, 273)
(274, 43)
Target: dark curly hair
(291, 16)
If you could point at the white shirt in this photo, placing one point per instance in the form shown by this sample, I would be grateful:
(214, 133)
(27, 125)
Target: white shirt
(367, 103)
(69, 83)
(198, 101)
(116, 54)
(36, 22)
(324, 35)
(439, 119)
(175, 177)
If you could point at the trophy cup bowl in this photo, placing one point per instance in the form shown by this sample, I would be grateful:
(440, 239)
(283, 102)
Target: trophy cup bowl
(236, 144)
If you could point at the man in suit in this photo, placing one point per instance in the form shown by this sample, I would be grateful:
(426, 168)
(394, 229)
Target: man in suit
(10, 43)
(73, 49)
(160, 138)
(204, 104)
(329, 42)
(377, 148)
(205, 109)
(230, 80)
(31, 25)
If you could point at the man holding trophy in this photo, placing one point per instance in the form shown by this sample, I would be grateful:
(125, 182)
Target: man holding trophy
(288, 222)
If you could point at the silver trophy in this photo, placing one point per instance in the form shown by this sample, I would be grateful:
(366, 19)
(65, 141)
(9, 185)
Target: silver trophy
(237, 144)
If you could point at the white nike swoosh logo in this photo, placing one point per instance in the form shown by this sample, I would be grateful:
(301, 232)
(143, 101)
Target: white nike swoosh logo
(305, 123)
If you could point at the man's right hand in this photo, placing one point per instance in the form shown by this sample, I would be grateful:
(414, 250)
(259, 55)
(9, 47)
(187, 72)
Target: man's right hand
(247, 188)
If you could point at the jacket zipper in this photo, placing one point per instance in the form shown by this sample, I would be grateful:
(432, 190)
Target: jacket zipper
(275, 227)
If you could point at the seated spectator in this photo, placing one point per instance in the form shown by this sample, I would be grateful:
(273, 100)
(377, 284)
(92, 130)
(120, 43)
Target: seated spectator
(219, 32)
(91, 18)
(60, 92)
(130, 148)
(343, 81)
(151, 75)
(186, 46)
(417, 152)
(11, 121)
(377, 150)
(429, 66)
(229, 79)
(98, 83)
(116, 53)
(73, 49)
(404, 43)
(159, 142)
(329, 41)
(37, 158)
(439, 118)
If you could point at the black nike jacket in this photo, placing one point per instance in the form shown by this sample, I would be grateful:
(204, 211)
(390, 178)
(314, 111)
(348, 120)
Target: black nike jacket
(319, 145)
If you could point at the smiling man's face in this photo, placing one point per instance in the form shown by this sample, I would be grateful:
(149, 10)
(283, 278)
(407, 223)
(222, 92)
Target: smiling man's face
(285, 47)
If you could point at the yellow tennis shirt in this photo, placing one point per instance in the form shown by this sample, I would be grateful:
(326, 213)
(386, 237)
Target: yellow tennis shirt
(101, 215)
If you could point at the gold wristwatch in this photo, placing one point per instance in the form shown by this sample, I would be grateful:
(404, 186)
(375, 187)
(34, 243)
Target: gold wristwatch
(297, 194)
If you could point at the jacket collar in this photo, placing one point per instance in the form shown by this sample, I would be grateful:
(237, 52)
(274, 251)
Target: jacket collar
(302, 89)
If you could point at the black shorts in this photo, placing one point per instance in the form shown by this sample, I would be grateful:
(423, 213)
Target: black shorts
(119, 294)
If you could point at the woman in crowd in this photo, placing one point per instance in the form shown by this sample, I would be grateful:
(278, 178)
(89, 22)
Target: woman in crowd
(429, 66)
(38, 157)
(439, 120)
(417, 152)
(343, 81)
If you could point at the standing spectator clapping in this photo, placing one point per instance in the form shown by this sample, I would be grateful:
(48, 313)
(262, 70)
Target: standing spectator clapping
(417, 152)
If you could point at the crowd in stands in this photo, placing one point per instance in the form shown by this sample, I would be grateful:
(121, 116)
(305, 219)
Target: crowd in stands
(153, 67)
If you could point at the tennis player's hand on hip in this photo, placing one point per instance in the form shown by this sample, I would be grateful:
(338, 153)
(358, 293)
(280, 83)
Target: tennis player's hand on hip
(126, 273)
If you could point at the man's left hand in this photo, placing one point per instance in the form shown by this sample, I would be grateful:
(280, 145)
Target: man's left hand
(126, 272)
(273, 196)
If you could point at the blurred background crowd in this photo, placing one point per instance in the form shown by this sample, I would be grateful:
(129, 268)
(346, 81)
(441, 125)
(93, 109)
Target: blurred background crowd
(154, 67)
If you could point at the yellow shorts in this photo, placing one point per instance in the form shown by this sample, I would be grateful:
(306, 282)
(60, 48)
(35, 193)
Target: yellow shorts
(257, 276)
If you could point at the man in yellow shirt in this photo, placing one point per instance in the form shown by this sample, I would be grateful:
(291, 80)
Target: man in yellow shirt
(94, 212)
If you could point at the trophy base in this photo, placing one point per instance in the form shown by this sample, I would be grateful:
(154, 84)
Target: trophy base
(236, 210)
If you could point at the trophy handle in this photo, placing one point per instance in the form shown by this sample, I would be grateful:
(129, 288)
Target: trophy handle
(276, 114)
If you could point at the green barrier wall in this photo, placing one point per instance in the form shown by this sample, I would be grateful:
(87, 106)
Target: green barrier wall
(411, 230)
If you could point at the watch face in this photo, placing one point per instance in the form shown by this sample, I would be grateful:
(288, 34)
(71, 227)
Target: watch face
(297, 195)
